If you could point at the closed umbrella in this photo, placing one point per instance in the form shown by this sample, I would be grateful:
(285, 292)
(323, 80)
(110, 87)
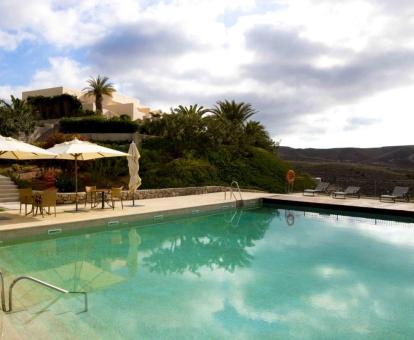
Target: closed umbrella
(11, 148)
(78, 150)
(133, 165)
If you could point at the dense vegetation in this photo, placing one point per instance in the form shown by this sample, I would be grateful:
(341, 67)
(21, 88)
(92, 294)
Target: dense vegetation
(190, 146)
(16, 118)
(195, 146)
(55, 107)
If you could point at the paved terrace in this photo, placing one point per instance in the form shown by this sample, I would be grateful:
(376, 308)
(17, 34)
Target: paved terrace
(364, 204)
(13, 224)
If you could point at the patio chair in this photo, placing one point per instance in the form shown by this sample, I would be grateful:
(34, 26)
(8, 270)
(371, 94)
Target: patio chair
(321, 188)
(47, 199)
(115, 195)
(349, 192)
(91, 194)
(26, 198)
(397, 193)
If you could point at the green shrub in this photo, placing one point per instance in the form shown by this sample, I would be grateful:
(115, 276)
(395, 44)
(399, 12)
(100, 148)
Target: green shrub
(253, 168)
(21, 183)
(98, 124)
(65, 182)
(58, 138)
(180, 173)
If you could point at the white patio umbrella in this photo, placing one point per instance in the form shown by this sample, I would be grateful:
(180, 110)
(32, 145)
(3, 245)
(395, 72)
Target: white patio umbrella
(82, 151)
(133, 166)
(11, 148)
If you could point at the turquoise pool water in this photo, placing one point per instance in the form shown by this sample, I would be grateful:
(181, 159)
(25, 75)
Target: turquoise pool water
(264, 273)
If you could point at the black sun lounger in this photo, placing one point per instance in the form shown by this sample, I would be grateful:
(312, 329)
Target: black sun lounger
(349, 192)
(320, 189)
(397, 193)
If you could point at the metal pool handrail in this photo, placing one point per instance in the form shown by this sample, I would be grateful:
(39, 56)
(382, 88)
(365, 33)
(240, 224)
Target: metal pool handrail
(42, 283)
(234, 184)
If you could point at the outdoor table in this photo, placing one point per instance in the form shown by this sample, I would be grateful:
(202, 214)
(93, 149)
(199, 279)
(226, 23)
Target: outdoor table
(102, 192)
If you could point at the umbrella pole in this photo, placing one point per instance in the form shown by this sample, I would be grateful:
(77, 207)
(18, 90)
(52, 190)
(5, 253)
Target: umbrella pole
(133, 198)
(76, 182)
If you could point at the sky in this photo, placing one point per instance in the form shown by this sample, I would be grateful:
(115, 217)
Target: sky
(320, 73)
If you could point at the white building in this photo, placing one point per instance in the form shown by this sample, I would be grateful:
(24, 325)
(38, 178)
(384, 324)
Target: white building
(112, 106)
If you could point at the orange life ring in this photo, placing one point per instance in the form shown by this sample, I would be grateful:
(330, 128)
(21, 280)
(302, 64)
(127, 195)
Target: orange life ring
(290, 176)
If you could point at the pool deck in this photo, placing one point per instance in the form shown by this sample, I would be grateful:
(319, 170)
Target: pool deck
(363, 204)
(15, 225)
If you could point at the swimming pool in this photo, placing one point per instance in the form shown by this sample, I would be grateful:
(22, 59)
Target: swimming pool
(263, 273)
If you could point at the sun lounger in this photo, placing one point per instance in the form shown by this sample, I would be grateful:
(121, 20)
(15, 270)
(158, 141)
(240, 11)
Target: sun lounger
(397, 193)
(349, 192)
(320, 189)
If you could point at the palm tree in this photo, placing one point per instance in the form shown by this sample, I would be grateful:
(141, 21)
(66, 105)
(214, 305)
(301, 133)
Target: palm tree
(16, 118)
(99, 87)
(235, 113)
(190, 110)
(256, 135)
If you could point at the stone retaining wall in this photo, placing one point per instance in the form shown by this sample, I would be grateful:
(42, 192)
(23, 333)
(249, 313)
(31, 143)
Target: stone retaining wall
(69, 197)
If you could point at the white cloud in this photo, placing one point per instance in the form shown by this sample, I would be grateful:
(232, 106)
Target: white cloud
(61, 71)
(388, 115)
(332, 66)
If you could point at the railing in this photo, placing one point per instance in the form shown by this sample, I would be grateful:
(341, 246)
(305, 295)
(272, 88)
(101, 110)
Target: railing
(234, 221)
(40, 282)
(234, 185)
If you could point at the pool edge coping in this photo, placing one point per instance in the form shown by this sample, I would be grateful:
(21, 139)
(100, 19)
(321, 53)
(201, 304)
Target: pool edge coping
(66, 227)
(344, 207)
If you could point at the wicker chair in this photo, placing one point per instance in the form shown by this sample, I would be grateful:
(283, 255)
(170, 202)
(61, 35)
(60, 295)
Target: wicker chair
(47, 199)
(91, 194)
(26, 198)
(115, 195)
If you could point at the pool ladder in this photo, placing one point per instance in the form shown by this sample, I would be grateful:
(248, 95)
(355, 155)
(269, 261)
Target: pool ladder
(40, 282)
(235, 186)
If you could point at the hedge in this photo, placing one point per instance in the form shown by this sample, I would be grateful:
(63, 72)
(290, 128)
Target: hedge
(98, 124)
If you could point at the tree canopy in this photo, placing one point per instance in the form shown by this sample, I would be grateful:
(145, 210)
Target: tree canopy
(99, 87)
(197, 146)
(16, 118)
